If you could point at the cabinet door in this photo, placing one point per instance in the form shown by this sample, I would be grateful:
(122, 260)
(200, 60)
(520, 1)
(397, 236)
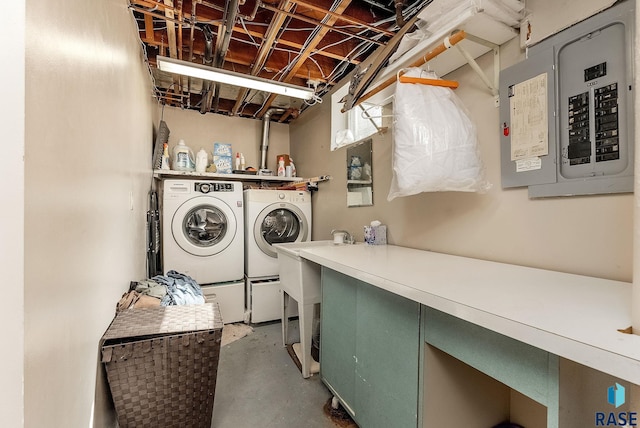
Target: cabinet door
(338, 332)
(370, 351)
(387, 364)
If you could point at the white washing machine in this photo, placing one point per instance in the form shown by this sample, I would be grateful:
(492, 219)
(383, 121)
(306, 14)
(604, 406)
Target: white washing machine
(271, 217)
(203, 237)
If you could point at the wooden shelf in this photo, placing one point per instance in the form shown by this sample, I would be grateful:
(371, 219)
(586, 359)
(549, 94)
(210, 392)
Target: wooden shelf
(160, 174)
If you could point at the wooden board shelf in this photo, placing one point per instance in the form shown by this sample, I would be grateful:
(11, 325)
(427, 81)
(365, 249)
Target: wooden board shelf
(160, 174)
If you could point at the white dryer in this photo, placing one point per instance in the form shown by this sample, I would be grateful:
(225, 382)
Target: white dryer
(271, 217)
(203, 237)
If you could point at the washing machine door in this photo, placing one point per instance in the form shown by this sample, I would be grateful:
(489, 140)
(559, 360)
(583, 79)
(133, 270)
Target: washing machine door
(204, 226)
(279, 223)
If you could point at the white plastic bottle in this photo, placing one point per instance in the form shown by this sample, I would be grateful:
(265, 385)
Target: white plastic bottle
(201, 161)
(183, 158)
(293, 168)
(281, 167)
(237, 161)
(242, 164)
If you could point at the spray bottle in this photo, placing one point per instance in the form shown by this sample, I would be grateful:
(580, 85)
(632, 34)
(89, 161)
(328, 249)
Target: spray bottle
(281, 167)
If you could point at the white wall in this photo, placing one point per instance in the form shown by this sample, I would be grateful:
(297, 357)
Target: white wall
(502, 225)
(88, 155)
(201, 131)
(12, 24)
(566, 13)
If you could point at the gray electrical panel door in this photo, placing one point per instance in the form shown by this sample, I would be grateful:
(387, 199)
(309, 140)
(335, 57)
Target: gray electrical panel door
(540, 169)
(591, 144)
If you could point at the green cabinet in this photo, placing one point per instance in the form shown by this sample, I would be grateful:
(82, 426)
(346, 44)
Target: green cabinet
(370, 351)
(338, 332)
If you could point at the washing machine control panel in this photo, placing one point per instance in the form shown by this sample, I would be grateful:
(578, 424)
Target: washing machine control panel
(213, 187)
(292, 196)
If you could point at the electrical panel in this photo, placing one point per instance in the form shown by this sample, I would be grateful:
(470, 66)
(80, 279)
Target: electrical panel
(567, 110)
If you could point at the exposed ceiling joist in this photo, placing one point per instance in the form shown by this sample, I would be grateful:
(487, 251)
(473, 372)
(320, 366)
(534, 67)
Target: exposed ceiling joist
(301, 42)
(323, 25)
(171, 29)
(341, 17)
(265, 48)
(304, 54)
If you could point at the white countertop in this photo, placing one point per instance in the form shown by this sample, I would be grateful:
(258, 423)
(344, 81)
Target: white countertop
(573, 316)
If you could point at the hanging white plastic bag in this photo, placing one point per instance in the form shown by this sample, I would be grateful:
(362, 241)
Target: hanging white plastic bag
(435, 144)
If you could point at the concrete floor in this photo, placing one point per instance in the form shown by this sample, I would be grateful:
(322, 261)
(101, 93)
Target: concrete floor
(259, 385)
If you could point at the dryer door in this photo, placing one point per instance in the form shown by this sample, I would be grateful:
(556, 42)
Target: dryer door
(204, 226)
(279, 223)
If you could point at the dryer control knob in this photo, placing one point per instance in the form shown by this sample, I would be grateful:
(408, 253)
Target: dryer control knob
(205, 188)
(281, 195)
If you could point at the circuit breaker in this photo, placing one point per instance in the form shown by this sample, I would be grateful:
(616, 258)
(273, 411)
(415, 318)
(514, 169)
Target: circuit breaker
(587, 113)
(593, 91)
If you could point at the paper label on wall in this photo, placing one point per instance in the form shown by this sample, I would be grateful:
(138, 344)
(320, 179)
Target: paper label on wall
(529, 118)
(530, 164)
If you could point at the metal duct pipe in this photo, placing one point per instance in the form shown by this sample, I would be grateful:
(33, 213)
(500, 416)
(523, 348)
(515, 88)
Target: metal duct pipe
(230, 16)
(208, 44)
(205, 103)
(264, 145)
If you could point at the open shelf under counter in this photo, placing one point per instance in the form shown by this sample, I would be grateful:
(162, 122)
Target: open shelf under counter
(160, 174)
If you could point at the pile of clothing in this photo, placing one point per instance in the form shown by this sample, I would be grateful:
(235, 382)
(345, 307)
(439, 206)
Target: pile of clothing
(174, 288)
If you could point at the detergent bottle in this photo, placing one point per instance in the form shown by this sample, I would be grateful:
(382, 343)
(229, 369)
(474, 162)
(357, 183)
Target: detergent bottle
(183, 159)
(281, 170)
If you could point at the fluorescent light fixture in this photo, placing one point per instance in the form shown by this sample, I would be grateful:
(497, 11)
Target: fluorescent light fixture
(186, 68)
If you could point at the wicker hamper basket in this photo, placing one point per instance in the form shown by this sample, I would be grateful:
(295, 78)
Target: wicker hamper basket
(162, 365)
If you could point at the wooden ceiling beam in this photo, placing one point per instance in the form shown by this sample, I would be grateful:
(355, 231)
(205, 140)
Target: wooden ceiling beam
(323, 25)
(179, 41)
(192, 31)
(284, 35)
(305, 53)
(159, 4)
(265, 47)
(149, 3)
(149, 34)
(345, 18)
(295, 45)
(153, 14)
(268, 72)
(187, 17)
(171, 29)
(171, 36)
(210, 5)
